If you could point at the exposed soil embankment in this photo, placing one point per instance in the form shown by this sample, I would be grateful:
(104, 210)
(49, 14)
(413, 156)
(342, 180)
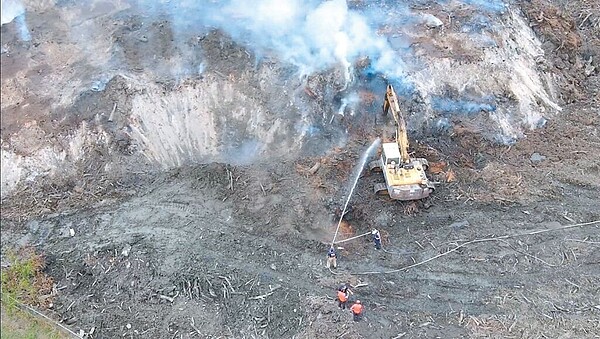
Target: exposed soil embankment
(182, 178)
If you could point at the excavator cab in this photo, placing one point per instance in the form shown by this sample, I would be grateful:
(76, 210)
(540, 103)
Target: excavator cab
(391, 155)
(405, 177)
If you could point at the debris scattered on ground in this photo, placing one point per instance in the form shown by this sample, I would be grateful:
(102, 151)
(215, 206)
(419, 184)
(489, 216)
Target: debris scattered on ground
(180, 183)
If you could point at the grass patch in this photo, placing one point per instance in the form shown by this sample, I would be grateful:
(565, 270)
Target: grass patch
(17, 324)
(24, 280)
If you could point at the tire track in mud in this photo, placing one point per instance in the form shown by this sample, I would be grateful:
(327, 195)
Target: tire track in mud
(447, 287)
(188, 234)
(266, 264)
(182, 209)
(172, 251)
(469, 279)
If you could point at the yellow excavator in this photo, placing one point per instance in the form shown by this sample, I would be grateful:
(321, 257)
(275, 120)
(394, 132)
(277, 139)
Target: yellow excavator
(405, 177)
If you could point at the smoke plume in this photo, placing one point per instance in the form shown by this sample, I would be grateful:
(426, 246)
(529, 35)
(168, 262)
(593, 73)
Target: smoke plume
(14, 10)
(311, 35)
(10, 10)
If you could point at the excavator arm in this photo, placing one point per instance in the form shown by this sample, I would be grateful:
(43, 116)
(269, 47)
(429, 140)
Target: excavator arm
(391, 103)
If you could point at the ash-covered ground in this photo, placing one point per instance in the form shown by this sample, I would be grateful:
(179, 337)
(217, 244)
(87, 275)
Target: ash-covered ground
(182, 165)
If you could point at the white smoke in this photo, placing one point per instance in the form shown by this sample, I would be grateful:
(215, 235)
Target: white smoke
(14, 10)
(10, 10)
(349, 101)
(312, 35)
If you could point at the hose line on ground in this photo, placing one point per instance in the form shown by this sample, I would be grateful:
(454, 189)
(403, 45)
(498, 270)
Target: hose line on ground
(475, 241)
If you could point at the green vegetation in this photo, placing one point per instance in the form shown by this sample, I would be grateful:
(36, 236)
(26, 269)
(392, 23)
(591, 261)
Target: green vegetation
(24, 280)
(17, 324)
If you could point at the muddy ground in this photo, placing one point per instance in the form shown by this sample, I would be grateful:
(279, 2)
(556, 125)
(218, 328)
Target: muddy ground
(218, 227)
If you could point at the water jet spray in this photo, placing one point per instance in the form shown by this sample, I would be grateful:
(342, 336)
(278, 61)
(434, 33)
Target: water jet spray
(363, 161)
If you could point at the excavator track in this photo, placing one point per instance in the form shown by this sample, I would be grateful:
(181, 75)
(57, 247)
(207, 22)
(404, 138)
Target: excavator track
(380, 189)
(375, 165)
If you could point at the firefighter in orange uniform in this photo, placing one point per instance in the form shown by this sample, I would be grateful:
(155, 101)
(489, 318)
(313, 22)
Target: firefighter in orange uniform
(342, 299)
(357, 310)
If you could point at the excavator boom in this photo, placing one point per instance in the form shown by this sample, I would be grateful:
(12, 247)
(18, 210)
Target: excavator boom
(391, 103)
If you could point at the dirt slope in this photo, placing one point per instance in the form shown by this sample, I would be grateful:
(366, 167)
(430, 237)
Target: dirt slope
(211, 223)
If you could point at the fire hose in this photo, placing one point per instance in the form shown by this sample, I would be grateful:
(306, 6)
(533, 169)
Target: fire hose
(355, 237)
